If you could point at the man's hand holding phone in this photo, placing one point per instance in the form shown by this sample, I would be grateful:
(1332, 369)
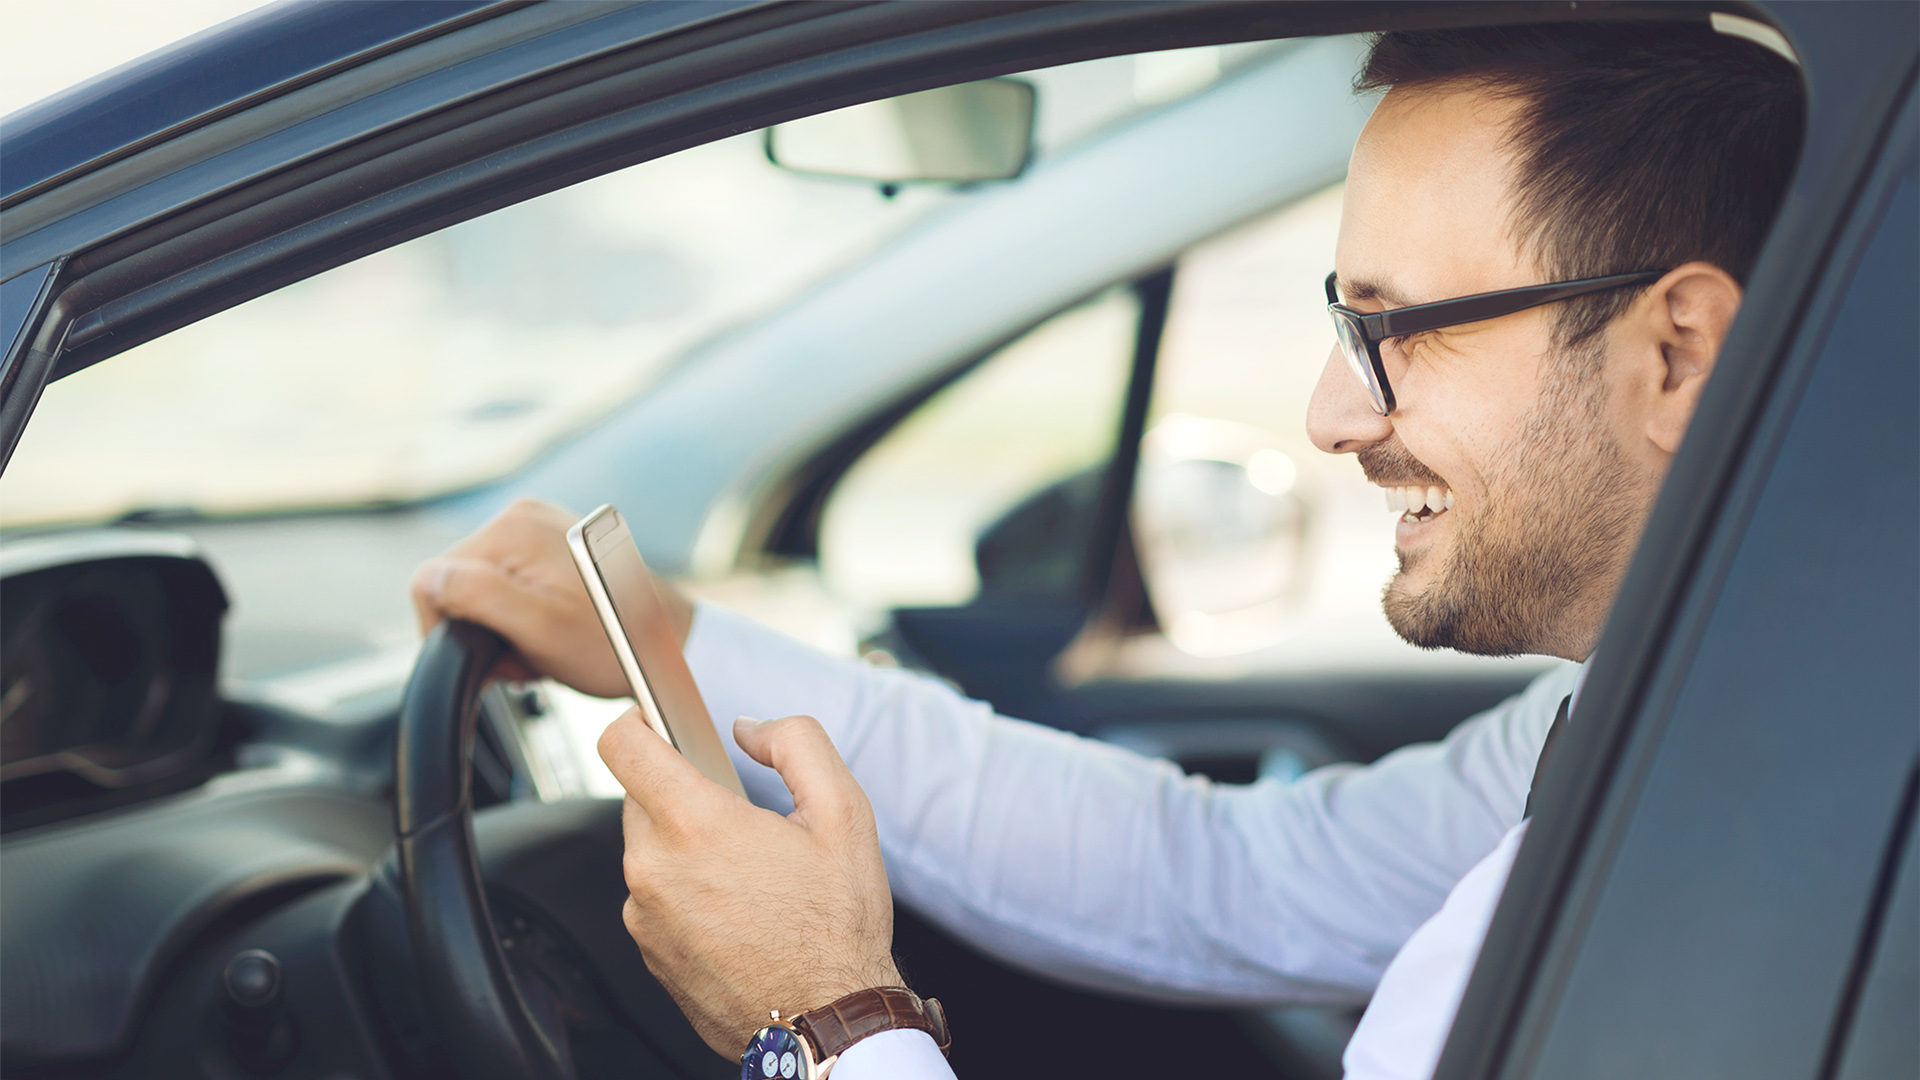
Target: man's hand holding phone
(737, 909)
(516, 577)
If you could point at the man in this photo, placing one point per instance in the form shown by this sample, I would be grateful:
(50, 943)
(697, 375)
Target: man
(1523, 436)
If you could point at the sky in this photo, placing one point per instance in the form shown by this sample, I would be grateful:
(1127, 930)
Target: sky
(49, 45)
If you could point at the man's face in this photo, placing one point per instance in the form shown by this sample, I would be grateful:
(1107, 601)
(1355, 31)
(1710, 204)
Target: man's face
(1533, 508)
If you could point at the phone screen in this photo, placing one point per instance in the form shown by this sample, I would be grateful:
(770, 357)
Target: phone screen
(643, 640)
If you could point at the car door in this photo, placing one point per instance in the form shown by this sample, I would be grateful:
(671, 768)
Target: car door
(110, 281)
(1719, 877)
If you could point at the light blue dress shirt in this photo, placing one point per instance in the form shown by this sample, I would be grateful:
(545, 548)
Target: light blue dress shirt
(1117, 872)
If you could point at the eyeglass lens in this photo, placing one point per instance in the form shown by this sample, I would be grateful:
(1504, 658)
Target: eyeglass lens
(1355, 348)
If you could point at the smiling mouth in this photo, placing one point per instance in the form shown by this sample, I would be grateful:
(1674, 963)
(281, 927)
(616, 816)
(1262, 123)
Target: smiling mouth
(1418, 504)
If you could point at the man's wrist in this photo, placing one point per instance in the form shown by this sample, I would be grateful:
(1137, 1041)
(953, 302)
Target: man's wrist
(834, 1027)
(814, 1040)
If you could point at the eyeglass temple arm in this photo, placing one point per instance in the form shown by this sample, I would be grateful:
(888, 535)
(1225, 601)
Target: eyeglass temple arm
(1422, 317)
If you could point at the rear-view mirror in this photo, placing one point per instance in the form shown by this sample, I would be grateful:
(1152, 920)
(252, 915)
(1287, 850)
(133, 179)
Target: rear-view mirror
(952, 134)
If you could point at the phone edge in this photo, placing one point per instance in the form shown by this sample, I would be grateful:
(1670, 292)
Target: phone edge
(611, 626)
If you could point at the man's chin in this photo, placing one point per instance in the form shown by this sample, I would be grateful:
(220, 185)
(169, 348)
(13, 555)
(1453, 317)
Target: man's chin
(1411, 615)
(1433, 616)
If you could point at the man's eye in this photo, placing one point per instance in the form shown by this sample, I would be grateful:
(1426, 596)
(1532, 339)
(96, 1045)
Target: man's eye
(1404, 345)
(1411, 345)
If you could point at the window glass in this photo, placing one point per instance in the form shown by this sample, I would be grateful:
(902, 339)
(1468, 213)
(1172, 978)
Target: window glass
(453, 359)
(1249, 537)
(447, 360)
(901, 528)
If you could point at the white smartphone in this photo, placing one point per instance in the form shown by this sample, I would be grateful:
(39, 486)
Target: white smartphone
(643, 641)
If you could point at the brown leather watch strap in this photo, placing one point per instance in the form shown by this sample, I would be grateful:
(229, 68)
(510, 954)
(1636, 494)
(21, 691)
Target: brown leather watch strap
(832, 1028)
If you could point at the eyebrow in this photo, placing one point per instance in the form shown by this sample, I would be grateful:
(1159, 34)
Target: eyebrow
(1364, 289)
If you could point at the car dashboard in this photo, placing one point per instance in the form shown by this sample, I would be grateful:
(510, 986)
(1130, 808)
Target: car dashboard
(112, 643)
(197, 884)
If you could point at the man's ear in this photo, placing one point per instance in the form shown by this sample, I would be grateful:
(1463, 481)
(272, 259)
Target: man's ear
(1688, 313)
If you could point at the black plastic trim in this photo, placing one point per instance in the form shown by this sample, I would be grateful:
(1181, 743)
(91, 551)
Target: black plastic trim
(97, 913)
(1830, 1062)
(225, 81)
(25, 369)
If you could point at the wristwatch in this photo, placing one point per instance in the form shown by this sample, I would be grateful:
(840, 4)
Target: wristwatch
(805, 1047)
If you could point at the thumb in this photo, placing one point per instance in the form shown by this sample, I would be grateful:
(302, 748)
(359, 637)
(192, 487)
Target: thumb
(798, 748)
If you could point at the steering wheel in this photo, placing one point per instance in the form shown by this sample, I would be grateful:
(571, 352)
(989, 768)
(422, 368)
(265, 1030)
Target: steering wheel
(483, 1021)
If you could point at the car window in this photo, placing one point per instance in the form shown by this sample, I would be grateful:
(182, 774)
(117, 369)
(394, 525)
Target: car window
(453, 359)
(447, 360)
(901, 528)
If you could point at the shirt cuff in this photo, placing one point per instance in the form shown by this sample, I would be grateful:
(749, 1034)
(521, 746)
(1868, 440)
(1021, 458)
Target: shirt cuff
(900, 1054)
(745, 669)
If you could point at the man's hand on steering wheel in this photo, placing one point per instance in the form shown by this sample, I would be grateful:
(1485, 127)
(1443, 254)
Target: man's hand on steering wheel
(738, 910)
(516, 577)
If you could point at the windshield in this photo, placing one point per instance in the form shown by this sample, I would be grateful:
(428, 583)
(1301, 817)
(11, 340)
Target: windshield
(452, 360)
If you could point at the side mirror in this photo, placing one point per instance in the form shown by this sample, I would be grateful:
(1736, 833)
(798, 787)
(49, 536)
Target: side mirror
(1221, 534)
(952, 134)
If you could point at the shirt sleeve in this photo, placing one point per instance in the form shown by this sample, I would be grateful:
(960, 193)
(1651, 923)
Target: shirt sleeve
(1098, 866)
(901, 1054)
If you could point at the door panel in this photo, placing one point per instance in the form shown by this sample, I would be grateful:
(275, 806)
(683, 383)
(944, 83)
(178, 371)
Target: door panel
(1881, 1042)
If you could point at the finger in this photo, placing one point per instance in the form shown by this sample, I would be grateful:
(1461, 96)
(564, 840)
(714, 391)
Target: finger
(663, 783)
(798, 748)
(524, 531)
(479, 591)
(424, 590)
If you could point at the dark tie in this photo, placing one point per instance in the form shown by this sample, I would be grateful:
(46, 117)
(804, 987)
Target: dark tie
(1559, 721)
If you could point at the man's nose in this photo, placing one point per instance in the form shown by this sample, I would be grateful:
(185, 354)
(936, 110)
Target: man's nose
(1340, 417)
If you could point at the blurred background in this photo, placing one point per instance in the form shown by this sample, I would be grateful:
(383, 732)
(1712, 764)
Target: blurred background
(53, 44)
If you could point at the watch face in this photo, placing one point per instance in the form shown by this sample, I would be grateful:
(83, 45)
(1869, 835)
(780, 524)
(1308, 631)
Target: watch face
(774, 1054)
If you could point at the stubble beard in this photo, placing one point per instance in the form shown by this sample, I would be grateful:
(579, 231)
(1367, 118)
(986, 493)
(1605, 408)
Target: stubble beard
(1533, 569)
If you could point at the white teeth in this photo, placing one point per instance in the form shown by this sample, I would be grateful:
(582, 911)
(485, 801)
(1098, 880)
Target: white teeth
(1412, 501)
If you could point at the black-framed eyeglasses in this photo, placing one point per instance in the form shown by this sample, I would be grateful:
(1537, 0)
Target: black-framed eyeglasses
(1362, 332)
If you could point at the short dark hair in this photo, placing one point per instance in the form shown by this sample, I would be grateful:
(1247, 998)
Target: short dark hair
(1640, 146)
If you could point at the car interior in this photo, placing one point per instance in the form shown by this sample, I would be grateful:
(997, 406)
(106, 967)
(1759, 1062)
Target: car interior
(241, 808)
